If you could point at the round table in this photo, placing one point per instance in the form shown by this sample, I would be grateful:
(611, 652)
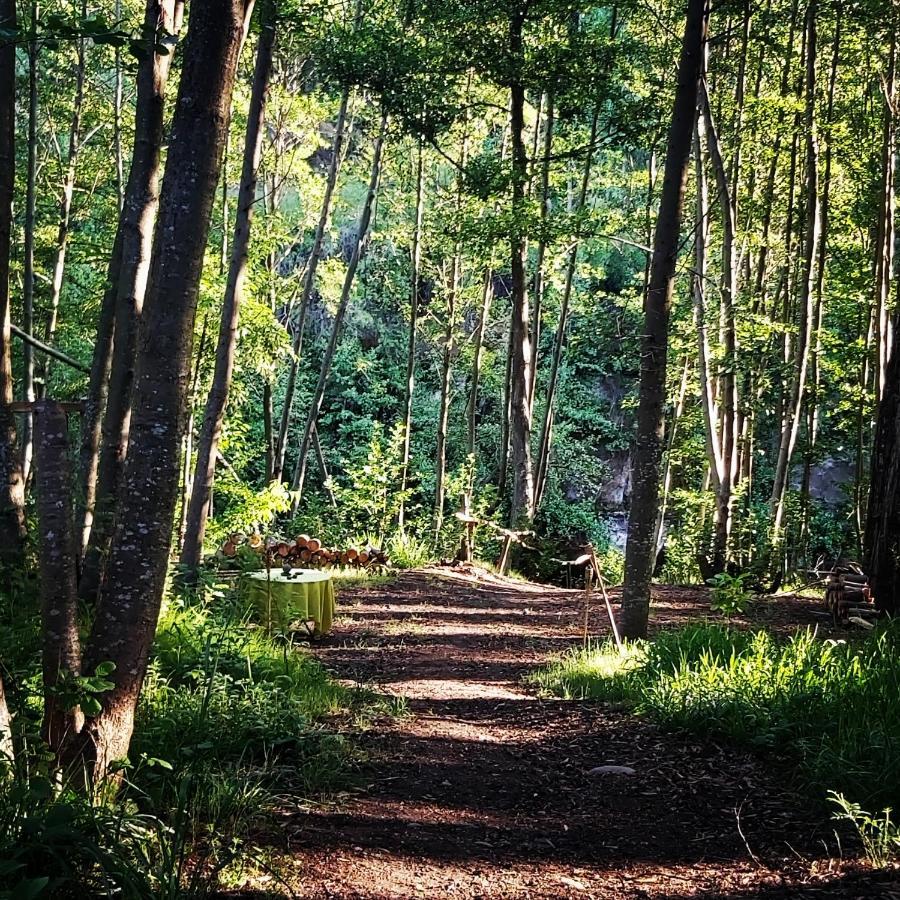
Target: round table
(306, 595)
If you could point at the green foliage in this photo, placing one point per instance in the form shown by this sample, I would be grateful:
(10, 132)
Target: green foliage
(879, 834)
(245, 509)
(832, 706)
(371, 500)
(407, 552)
(729, 594)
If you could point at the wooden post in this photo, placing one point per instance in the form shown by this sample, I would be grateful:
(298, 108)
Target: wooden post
(609, 611)
(588, 584)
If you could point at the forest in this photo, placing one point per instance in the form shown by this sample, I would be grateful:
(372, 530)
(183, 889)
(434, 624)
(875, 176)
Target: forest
(449, 448)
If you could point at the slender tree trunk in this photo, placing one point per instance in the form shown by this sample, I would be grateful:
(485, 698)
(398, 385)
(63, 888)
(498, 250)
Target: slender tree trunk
(487, 296)
(65, 208)
(640, 551)
(12, 489)
(214, 413)
(543, 454)
(416, 271)
(309, 280)
(187, 472)
(128, 276)
(58, 558)
(449, 347)
(7, 747)
(522, 502)
(729, 440)
(670, 443)
(807, 295)
(117, 117)
(884, 242)
(28, 249)
(359, 250)
(125, 623)
(542, 247)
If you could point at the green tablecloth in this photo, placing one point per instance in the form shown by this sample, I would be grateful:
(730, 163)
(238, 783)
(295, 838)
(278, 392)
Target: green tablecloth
(307, 596)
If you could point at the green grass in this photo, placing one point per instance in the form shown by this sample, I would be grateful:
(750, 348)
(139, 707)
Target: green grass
(230, 724)
(831, 706)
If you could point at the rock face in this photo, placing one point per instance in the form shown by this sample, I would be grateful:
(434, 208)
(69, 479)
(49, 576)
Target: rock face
(616, 488)
(829, 480)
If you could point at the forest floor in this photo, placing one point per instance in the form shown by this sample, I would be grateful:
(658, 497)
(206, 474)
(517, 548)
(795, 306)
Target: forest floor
(485, 790)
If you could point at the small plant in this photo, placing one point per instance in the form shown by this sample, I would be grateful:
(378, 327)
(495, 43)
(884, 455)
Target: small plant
(405, 551)
(880, 835)
(729, 595)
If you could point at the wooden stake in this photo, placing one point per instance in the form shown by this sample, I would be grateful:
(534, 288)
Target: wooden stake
(588, 584)
(609, 609)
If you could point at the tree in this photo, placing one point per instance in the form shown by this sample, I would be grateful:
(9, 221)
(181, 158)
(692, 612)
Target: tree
(641, 550)
(198, 506)
(107, 416)
(12, 489)
(131, 595)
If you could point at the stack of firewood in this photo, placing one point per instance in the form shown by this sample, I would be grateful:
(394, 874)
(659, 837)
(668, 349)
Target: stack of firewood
(303, 552)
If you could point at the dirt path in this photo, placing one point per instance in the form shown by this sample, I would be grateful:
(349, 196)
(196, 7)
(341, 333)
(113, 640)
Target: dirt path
(485, 790)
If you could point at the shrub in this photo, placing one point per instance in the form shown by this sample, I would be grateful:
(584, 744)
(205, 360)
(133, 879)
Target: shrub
(728, 595)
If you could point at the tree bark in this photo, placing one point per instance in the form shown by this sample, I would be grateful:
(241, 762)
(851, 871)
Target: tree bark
(114, 363)
(359, 250)
(127, 613)
(640, 550)
(58, 557)
(226, 347)
(12, 490)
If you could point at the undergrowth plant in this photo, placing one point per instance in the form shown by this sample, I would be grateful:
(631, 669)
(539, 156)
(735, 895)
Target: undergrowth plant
(878, 833)
(228, 718)
(832, 706)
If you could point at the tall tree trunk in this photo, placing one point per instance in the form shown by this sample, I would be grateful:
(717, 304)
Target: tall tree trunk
(543, 455)
(794, 411)
(812, 421)
(128, 278)
(28, 249)
(7, 747)
(670, 444)
(309, 280)
(449, 345)
(12, 490)
(882, 529)
(214, 413)
(521, 508)
(359, 250)
(487, 296)
(640, 550)
(58, 558)
(127, 614)
(539, 280)
(117, 116)
(729, 440)
(415, 277)
(65, 207)
(884, 242)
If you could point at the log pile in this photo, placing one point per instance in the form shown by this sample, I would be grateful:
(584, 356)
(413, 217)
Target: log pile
(303, 552)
